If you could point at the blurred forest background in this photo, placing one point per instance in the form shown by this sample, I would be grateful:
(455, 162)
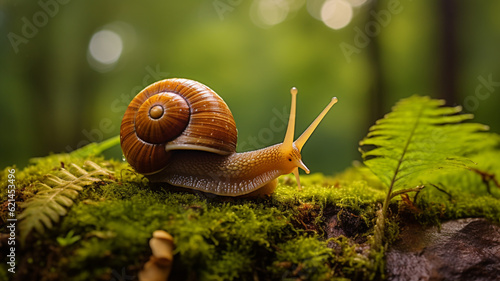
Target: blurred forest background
(68, 69)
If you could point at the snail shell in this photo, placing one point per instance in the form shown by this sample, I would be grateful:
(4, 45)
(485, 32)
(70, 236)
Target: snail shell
(175, 114)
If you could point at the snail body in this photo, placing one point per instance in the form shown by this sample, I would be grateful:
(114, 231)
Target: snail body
(181, 132)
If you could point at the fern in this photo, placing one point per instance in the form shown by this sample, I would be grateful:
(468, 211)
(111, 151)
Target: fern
(418, 137)
(55, 194)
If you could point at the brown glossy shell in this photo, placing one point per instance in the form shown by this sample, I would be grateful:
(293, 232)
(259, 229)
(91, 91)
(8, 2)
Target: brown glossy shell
(175, 114)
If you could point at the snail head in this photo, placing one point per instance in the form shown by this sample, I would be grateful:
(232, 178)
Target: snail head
(291, 149)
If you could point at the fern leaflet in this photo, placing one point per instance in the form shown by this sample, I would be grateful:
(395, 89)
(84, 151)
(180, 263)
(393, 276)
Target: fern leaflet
(420, 136)
(55, 194)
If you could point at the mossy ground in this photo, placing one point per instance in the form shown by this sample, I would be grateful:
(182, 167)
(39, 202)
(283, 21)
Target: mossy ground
(322, 232)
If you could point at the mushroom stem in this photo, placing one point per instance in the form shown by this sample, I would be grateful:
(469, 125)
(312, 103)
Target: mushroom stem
(160, 263)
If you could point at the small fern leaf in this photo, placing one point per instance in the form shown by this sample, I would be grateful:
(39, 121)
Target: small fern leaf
(77, 170)
(66, 175)
(43, 187)
(97, 170)
(419, 136)
(58, 208)
(55, 195)
(65, 200)
(52, 180)
(51, 212)
(45, 219)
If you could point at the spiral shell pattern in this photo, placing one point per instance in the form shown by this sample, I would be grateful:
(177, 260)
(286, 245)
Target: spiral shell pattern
(175, 114)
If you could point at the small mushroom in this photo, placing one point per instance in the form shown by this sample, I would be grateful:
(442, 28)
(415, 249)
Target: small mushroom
(160, 263)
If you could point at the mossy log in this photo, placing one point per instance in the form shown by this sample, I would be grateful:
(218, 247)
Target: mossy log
(322, 232)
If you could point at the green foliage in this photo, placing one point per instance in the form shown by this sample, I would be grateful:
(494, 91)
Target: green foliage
(420, 136)
(69, 239)
(55, 194)
(470, 195)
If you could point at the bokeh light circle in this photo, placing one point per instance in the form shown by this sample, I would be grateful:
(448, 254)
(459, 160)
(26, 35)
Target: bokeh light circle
(105, 48)
(336, 14)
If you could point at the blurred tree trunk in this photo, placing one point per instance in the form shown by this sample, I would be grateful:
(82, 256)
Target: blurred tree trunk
(377, 96)
(447, 79)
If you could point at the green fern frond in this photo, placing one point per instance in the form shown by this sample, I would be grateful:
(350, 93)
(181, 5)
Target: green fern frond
(55, 195)
(420, 136)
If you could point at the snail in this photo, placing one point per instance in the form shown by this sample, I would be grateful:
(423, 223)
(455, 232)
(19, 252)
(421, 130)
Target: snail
(181, 132)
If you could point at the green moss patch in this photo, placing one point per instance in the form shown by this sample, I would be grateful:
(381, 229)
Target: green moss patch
(322, 232)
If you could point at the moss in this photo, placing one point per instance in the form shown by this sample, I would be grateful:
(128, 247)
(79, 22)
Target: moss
(303, 258)
(322, 232)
